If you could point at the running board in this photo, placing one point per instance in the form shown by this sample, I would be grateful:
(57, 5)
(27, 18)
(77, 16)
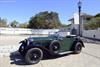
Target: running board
(67, 52)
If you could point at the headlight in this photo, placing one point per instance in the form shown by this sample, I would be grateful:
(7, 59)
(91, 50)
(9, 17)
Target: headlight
(28, 41)
(31, 40)
(22, 47)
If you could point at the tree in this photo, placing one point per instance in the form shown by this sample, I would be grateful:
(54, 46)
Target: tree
(3, 23)
(14, 24)
(45, 20)
(93, 23)
(97, 15)
(23, 25)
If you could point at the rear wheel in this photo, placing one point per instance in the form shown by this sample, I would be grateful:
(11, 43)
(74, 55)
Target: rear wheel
(78, 48)
(33, 56)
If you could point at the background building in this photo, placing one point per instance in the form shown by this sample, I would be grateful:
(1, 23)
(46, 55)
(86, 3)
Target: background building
(74, 29)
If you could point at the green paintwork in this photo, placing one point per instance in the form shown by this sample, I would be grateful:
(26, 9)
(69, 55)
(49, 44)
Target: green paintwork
(41, 38)
(66, 42)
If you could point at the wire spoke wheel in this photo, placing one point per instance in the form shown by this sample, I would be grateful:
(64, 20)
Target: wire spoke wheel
(33, 56)
(54, 48)
(78, 48)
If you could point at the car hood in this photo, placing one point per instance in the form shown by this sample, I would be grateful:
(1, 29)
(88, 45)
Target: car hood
(40, 38)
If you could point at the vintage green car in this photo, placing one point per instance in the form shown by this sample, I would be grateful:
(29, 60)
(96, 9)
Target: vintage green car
(33, 48)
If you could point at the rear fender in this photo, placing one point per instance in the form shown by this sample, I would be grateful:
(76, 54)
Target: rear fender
(74, 43)
(79, 40)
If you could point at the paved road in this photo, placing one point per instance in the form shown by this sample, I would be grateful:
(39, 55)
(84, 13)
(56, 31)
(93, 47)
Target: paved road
(89, 57)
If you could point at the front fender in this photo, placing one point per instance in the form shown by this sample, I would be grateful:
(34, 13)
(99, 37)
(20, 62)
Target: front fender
(36, 46)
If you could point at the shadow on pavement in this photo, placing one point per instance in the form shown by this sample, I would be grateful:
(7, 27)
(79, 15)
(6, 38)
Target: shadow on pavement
(50, 57)
(18, 59)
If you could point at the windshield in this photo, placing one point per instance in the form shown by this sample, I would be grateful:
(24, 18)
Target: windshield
(56, 34)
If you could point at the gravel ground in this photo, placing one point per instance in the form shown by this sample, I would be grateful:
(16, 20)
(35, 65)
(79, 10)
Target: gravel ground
(89, 57)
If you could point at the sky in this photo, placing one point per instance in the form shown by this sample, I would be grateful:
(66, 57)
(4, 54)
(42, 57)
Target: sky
(22, 10)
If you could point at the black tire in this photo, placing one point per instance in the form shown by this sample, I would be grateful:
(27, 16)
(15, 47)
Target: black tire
(54, 48)
(78, 48)
(33, 55)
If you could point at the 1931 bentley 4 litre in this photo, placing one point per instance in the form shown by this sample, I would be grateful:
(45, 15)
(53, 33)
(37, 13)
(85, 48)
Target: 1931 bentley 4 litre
(33, 48)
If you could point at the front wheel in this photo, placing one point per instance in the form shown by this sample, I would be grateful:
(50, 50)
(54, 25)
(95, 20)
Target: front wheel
(78, 48)
(33, 56)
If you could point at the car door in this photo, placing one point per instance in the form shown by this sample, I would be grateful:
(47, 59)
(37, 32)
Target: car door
(66, 43)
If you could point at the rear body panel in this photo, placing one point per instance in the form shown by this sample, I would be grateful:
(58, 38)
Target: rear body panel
(66, 43)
